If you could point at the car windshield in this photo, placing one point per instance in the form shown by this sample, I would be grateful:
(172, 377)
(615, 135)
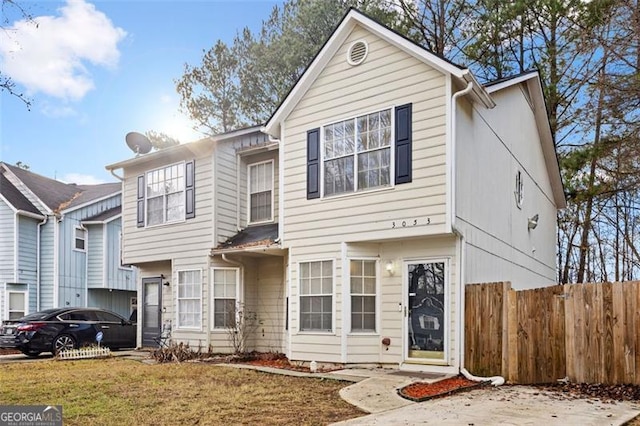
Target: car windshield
(39, 315)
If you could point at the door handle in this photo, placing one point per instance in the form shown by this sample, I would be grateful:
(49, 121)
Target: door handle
(73, 325)
(104, 326)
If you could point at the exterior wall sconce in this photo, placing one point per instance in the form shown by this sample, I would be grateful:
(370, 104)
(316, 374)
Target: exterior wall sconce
(390, 268)
(164, 283)
(532, 222)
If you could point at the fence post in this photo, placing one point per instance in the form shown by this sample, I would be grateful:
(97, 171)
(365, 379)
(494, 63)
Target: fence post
(511, 337)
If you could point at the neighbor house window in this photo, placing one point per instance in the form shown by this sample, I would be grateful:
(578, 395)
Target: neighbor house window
(316, 296)
(165, 196)
(80, 240)
(17, 304)
(357, 153)
(225, 291)
(261, 192)
(363, 295)
(190, 299)
(519, 190)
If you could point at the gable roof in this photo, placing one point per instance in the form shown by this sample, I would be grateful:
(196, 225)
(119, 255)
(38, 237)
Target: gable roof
(58, 196)
(534, 86)
(340, 34)
(15, 197)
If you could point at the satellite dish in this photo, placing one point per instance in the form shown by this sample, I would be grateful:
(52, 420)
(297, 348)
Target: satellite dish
(138, 143)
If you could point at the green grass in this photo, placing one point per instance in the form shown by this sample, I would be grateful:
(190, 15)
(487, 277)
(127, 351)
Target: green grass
(125, 392)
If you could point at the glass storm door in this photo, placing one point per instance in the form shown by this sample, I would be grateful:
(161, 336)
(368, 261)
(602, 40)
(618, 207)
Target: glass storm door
(425, 338)
(151, 310)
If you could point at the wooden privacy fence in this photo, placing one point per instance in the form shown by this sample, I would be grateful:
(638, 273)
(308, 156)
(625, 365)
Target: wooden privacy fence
(586, 332)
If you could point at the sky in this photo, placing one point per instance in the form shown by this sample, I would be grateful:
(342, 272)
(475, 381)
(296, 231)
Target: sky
(96, 70)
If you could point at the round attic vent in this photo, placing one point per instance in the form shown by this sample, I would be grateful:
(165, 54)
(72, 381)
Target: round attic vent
(357, 52)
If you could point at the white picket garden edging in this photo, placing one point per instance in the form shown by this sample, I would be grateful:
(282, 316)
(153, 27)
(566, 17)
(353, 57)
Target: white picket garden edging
(90, 352)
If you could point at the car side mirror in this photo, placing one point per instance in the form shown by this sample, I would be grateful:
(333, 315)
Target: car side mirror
(125, 322)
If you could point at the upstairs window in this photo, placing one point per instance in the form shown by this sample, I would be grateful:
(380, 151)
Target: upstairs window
(165, 195)
(261, 192)
(80, 239)
(357, 153)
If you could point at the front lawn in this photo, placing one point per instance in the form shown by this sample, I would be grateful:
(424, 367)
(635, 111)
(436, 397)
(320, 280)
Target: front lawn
(125, 392)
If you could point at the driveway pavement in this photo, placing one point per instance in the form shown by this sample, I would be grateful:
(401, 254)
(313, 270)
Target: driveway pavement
(506, 405)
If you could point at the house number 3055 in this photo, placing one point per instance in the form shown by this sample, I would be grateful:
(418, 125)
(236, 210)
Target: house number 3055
(407, 223)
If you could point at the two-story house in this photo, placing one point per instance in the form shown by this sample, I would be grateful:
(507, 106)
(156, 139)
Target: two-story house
(60, 245)
(386, 180)
(200, 223)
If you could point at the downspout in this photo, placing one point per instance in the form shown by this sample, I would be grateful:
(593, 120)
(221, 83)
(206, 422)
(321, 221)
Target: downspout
(16, 237)
(56, 266)
(495, 380)
(38, 262)
(238, 164)
(120, 178)
(86, 264)
(280, 185)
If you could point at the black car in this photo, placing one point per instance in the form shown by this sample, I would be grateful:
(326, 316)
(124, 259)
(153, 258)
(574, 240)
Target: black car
(55, 330)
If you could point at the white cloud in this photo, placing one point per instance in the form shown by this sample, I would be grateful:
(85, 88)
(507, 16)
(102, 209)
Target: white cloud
(52, 56)
(81, 179)
(57, 111)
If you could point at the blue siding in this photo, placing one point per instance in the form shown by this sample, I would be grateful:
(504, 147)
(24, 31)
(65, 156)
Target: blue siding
(72, 264)
(27, 249)
(117, 301)
(96, 255)
(117, 277)
(7, 231)
(46, 264)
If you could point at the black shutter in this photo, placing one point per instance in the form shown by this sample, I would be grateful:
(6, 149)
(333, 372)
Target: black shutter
(190, 186)
(403, 144)
(313, 164)
(140, 198)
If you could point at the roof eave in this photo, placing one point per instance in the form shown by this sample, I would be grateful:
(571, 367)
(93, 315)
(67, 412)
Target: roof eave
(274, 249)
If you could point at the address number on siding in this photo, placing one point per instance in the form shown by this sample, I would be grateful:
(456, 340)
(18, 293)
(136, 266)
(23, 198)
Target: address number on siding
(410, 222)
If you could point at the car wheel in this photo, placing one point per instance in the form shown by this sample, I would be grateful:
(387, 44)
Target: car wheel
(30, 353)
(63, 343)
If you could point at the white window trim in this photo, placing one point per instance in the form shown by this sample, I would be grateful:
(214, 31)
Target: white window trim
(392, 158)
(85, 239)
(177, 277)
(146, 198)
(377, 295)
(273, 172)
(7, 309)
(333, 300)
(239, 299)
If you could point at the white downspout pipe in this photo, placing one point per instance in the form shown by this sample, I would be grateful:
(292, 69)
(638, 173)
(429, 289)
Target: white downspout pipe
(39, 262)
(495, 380)
(238, 164)
(56, 250)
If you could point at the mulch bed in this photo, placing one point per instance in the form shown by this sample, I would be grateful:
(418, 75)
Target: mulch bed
(606, 393)
(421, 391)
(8, 351)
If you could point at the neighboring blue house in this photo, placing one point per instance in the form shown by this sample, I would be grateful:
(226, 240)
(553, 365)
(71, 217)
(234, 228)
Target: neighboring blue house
(60, 245)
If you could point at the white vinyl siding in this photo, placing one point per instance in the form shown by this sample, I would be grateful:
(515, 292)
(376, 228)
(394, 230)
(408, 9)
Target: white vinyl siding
(189, 301)
(261, 192)
(357, 153)
(17, 304)
(363, 295)
(316, 296)
(387, 79)
(165, 196)
(225, 292)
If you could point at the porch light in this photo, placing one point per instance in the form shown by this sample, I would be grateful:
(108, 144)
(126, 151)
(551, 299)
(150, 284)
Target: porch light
(532, 222)
(390, 268)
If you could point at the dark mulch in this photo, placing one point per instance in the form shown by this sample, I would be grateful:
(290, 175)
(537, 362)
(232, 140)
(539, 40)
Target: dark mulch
(608, 393)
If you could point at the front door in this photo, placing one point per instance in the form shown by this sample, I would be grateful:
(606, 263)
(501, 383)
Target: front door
(151, 310)
(426, 303)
